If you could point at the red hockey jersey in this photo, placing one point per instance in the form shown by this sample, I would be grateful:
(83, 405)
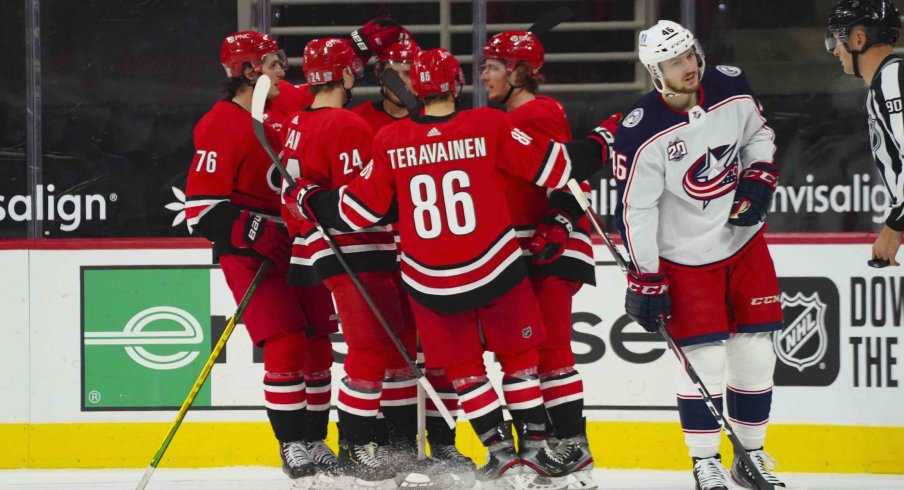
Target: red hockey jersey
(449, 174)
(373, 113)
(543, 117)
(291, 99)
(229, 166)
(330, 146)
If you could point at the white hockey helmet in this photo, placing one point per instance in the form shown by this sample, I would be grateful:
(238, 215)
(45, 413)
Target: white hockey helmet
(664, 41)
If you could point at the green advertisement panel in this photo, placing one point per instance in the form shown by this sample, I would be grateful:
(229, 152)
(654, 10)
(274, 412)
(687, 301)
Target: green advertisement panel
(145, 336)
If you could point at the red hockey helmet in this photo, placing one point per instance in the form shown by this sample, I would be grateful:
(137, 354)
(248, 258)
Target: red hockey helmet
(245, 47)
(514, 46)
(398, 52)
(325, 58)
(435, 72)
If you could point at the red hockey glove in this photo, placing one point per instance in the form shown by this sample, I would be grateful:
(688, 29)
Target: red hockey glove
(376, 35)
(754, 194)
(647, 299)
(297, 199)
(267, 238)
(550, 237)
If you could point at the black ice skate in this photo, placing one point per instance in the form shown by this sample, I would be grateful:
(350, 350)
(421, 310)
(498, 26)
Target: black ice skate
(574, 454)
(295, 460)
(710, 474)
(765, 463)
(366, 466)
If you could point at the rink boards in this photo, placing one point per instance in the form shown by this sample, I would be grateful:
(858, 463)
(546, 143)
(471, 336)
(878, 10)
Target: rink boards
(101, 346)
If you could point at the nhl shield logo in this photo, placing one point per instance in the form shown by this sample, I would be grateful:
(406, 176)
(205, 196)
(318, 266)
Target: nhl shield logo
(804, 340)
(527, 331)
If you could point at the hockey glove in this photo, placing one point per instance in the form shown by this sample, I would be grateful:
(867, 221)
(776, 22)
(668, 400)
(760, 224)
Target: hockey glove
(753, 194)
(267, 238)
(647, 299)
(605, 135)
(376, 35)
(297, 199)
(550, 237)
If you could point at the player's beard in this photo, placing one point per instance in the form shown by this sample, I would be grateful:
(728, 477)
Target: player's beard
(686, 88)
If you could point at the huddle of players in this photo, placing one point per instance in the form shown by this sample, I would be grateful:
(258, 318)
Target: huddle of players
(477, 256)
(451, 220)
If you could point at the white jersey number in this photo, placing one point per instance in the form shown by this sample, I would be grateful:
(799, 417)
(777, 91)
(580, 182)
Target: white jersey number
(207, 162)
(427, 216)
(350, 160)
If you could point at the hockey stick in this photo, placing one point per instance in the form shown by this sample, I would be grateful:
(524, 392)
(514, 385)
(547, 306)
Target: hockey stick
(761, 482)
(549, 20)
(258, 101)
(393, 81)
(202, 377)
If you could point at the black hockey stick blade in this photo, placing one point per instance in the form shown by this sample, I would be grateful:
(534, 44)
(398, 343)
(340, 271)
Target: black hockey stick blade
(878, 263)
(550, 19)
(393, 81)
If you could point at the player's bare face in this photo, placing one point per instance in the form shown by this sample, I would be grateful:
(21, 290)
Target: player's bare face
(680, 73)
(495, 79)
(273, 67)
(404, 71)
(844, 57)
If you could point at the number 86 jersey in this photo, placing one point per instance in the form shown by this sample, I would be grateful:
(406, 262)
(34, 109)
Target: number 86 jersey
(449, 174)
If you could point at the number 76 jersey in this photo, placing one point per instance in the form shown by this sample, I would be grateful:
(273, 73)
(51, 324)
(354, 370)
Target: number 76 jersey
(449, 174)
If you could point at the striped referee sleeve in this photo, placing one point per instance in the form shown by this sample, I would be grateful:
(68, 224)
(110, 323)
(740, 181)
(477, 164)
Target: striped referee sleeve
(887, 107)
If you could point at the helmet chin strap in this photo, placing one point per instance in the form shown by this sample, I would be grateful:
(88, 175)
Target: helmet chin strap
(511, 89)
(854, 54)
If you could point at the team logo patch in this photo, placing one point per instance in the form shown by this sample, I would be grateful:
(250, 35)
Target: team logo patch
(731, 71)
(714, 174)
(274, 179)
(804, 341)
(526, 332)
(633, 118)
(677, 150)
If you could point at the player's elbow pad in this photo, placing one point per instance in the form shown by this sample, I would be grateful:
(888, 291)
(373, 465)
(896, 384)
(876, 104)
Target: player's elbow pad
(587, 156)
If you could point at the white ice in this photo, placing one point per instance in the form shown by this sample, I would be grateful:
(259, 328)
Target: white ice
(263, 478)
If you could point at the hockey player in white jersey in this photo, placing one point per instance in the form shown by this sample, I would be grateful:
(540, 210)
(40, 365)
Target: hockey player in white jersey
(862, 35)
(695, 173)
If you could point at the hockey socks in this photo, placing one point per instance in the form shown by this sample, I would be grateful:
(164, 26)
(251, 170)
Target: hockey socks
(438, 432)
(358, 404)
(399, 404)
(284, 398)
(563, 397)
(481, 406)
(319, 388)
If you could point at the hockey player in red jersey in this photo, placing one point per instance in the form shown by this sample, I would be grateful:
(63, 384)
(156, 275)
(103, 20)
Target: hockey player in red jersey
(695, 172)
(329, 144)
(232, 198)
(379, 114)
(461, 261)
(555, 238)
(389, 109)
(373, 38)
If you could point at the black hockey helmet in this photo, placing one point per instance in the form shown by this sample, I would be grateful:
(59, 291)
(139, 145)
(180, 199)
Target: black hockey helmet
(879, 18)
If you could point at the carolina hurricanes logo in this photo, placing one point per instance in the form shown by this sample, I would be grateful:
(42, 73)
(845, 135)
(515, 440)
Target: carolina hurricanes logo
(274, 179)
(713, 175)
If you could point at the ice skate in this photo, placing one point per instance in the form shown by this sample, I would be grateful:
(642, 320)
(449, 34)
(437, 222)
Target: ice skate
(295, 460)
(709, 474)
(763, 461)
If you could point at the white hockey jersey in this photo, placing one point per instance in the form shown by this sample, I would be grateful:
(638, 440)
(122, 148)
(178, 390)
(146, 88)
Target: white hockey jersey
(677, 172)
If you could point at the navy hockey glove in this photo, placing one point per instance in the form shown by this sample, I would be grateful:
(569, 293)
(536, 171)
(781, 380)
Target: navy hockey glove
(754, 194)
(297, 199)
(550, 237)
(647, 299)
(376, 35)
(267, 238)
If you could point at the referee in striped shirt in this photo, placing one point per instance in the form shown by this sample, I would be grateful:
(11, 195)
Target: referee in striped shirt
(862, 35)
